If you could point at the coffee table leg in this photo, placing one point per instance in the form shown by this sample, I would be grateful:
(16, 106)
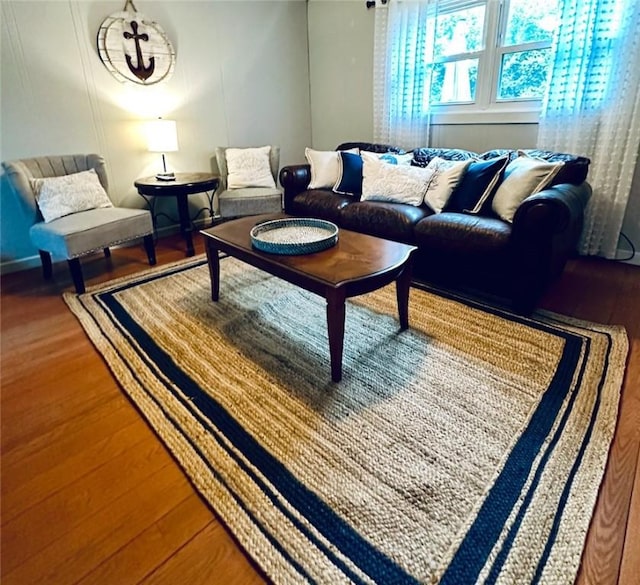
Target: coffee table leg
(335, 327)
(213, 260)
(403, 284)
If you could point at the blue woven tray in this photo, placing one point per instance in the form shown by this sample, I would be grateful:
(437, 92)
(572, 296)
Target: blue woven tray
(294, 236)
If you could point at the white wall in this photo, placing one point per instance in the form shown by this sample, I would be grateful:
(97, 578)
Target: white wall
(341, 69)
(241, 79)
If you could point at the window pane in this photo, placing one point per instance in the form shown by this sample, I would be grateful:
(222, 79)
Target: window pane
(524, 74)
(454, 81)
(531, 21)
(459, 32)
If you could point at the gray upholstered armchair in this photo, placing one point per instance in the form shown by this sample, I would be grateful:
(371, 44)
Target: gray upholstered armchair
(248, 200)
(76, 234)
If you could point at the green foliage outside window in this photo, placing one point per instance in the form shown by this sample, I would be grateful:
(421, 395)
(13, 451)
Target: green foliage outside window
(523, 73)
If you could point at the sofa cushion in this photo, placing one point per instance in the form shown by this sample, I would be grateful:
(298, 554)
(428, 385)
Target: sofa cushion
(477, 185)
(573, 171)
(393, 221)
(85, 231)
(324, 167)
(446, 175)
(320, 203)
(382, 181)
(349, 174)
(523, 176)
(463, 234)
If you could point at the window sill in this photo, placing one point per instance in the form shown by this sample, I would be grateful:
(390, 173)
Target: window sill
(494, 116)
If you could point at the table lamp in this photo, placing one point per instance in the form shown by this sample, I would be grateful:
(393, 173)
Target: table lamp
(162, 136)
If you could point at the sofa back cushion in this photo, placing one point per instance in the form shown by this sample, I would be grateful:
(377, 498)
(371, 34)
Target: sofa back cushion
(371, 147)
(423, 156)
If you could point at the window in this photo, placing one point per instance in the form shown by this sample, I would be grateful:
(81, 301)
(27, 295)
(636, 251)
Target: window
(490, 55)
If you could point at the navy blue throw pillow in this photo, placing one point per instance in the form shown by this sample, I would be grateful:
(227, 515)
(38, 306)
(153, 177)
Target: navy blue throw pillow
(477, 185)
(350, 176)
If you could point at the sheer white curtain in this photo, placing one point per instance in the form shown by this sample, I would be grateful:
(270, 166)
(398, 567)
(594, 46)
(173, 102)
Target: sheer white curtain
(592, 107)
(403, 45)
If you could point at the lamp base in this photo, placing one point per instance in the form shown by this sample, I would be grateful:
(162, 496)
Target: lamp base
(166, 176)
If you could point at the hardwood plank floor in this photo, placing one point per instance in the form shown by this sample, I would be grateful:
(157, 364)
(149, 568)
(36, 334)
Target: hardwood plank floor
(90, 495)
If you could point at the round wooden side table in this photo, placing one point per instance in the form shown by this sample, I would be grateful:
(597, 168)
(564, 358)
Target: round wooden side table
(185, 184)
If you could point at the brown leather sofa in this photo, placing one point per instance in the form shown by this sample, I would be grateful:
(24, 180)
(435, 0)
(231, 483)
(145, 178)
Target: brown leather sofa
(481, 254)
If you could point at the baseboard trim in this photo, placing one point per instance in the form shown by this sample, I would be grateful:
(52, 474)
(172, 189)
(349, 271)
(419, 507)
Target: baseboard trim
(29, 262)
(20, 264)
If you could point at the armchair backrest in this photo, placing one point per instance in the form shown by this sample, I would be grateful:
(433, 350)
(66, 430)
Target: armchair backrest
(20, 172)
(221, 160)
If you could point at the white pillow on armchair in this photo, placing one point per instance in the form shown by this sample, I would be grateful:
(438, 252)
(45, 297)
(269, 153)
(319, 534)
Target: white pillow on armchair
(67, 194)
(249, 167)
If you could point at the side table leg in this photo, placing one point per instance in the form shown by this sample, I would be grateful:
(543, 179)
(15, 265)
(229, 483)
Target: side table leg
(185, 222)
(213, 260)
(403, 285)
(335, 328)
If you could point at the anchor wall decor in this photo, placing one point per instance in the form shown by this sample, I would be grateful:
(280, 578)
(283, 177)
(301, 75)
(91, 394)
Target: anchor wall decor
(135, 48)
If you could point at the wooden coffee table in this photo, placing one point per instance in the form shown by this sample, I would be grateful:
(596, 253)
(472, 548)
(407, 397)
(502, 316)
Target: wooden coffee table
(357, 264)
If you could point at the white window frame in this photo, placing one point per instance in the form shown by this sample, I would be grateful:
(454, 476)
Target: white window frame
(487, 108)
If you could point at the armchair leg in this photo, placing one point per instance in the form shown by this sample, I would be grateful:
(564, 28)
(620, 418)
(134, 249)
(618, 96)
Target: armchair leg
(107, 253)
(150, 249)
(76, 274)
(45, 259)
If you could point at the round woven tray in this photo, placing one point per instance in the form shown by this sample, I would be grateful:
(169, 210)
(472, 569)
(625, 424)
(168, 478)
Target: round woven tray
(294, 236)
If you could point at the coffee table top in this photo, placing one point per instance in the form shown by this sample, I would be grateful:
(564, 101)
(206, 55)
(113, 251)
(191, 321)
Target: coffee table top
(355, 257)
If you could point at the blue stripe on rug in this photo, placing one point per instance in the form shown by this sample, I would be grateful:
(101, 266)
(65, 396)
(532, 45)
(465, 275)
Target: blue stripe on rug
(474, 550)
(565, 493)
(350, 543)
(508, 543)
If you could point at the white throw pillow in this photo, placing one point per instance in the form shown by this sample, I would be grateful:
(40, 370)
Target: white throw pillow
(249, 167)
(60, 196)
(446, 175)
(523, 176)
(325, 167)
(391, 157)
(383, 181)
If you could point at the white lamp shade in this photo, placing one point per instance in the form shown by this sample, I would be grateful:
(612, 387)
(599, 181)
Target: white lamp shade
(162, 136)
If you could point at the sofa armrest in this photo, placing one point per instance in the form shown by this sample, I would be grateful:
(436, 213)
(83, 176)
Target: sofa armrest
(552, 211)
(294, 179)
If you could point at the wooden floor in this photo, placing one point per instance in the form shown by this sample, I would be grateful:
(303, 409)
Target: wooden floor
(90, 495)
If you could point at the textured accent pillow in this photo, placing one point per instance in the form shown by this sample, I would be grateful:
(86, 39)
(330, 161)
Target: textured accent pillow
(324, 167)
(60, 196)
(523, 176)
(249, 167)
(477, 184)
(349, 175)
(396, 159)
(445, 176)
(382, 181)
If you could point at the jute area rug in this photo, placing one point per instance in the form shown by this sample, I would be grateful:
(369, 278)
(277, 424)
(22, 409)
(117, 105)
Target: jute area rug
(469, 448)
